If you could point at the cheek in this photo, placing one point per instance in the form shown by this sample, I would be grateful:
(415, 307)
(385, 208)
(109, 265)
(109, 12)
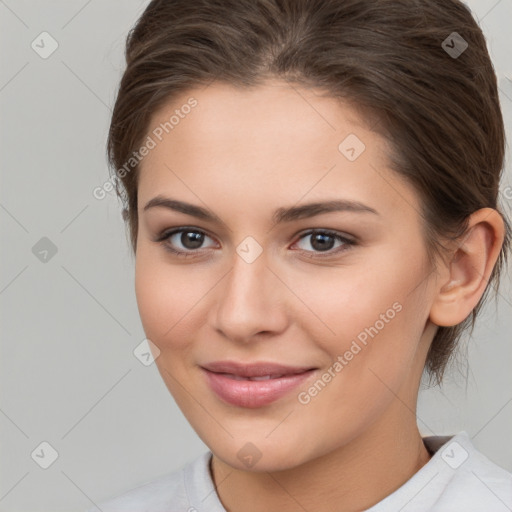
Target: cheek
(351, 303)
(163, 298)
(374, 320)
(165, 305)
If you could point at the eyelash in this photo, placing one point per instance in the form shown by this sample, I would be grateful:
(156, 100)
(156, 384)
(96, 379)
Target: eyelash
(165, 235)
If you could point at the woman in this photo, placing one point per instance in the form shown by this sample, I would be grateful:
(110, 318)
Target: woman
(311, 188)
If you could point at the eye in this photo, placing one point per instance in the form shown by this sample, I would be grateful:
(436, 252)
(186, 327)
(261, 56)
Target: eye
(190, 240)
(322, 242)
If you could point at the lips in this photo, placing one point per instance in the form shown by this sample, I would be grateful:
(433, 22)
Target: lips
(253, 371)
(254, 385)
(238, 377)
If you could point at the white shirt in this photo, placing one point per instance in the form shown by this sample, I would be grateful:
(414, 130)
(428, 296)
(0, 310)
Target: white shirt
(458, 478)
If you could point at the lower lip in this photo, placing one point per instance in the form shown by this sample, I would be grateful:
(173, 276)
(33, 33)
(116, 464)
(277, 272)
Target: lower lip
(254, 393)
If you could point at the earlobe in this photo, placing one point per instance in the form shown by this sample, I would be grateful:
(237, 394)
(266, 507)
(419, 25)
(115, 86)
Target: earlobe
(466, 277)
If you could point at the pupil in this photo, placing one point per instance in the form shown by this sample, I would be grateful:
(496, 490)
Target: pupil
(192, 240)
(319, 237)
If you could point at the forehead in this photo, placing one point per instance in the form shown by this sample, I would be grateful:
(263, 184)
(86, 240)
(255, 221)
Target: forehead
(273, 143)
(273, 116)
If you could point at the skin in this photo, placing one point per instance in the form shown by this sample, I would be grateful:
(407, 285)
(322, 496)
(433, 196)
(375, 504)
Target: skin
(242, 154)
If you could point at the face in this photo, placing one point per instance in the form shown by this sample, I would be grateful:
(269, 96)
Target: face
(338, 298)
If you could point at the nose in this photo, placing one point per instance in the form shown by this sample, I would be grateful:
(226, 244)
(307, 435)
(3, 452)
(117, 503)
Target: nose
(250, 301)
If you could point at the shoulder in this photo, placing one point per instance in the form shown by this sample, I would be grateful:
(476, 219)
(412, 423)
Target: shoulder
(156, 495)
(472, 479)
(458, 477)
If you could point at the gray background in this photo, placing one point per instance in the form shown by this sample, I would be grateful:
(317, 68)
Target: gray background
(69, 325)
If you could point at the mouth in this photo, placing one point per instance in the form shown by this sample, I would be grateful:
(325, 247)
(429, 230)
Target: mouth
(264, 377)
(255, 371)
(254, 385)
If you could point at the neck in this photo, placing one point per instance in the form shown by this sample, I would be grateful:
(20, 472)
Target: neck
(352, 477)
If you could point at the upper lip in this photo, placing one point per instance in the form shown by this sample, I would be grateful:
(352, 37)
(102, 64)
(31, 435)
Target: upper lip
(260, 369)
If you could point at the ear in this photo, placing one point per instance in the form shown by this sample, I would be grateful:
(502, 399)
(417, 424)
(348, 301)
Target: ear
(463, 280)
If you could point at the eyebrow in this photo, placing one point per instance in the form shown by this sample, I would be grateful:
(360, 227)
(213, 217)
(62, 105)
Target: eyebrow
(280, 215)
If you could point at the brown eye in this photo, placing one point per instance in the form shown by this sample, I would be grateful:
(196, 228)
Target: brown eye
(191, 239)
(324, 241)
(183, 241)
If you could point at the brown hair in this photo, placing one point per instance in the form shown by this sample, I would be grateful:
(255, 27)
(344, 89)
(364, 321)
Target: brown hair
(439, 112)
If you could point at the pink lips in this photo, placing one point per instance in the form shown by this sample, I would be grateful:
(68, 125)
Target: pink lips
(233, 382)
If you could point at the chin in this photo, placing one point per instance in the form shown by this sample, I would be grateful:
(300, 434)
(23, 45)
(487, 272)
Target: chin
(261, 456)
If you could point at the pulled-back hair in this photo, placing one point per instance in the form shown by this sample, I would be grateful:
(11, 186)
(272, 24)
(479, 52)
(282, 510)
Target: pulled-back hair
(438, 109)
